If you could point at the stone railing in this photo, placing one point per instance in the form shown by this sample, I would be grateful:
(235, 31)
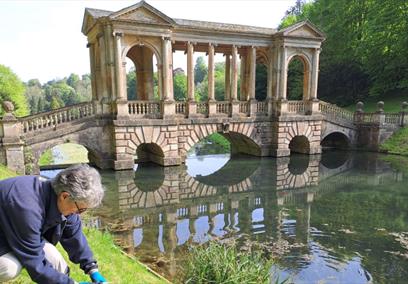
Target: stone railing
(144, 108)
(202, 108)
(262, 107)
(244, 107)
(223, 107)
(296, 107)
(180, 108)
(333, 112)
(393, 118)
(53, 118)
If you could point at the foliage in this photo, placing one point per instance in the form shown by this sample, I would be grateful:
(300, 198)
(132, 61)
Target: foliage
(131, 85)
(46, 158)
(295, 79)
(200, 70)
(12, 89)
(216, 263)
(180, 86)
(113, 264)
(58, 93)
(365, 51)
(261, 79)
(397, 143)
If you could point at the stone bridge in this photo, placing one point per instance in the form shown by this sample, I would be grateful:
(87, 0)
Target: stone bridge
(117, 127)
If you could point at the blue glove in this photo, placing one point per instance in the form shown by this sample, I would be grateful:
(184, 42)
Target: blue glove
(84, 282)
(97, 277)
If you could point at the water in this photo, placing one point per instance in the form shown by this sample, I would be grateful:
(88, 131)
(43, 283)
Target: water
(335, 218)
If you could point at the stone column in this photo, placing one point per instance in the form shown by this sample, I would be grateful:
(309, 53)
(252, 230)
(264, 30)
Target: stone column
(227, 94)
(313, 101)
(269, 92)
(120, 74)
(251, 81)
(234, 81)
(191, 103)
(167, 77)
(243, 90)
(212, 105)
(95, 90)
(148, 73)
(282, 105)
(12, 145)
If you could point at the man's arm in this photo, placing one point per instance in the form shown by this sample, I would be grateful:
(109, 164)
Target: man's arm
(74, 242)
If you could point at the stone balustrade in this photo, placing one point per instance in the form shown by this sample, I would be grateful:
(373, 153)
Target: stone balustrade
(147, 109)
(334, 112)
(262, 107)
(244, 107)
(202, 108)
(180, 108)
(53, 118)
(223, 107)
(297, 107)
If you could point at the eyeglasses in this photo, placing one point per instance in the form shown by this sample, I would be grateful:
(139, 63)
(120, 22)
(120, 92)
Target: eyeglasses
(80, 210)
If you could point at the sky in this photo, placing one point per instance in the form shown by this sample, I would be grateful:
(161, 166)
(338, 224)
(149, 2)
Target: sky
(43, 39)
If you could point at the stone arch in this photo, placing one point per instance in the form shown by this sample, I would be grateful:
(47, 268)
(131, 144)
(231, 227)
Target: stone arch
(336, 139)
(142, 53)
(307, 67)
(299, 144)
(38, 149)
(245, 131)
(306, 130)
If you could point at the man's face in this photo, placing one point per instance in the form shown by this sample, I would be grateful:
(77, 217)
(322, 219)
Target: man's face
(67, 206)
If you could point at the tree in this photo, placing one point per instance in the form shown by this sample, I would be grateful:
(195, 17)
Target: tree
(200, 70)
(12, 89)
(180, 87)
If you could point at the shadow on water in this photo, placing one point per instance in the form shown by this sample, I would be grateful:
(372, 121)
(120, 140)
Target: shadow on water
(325, 218)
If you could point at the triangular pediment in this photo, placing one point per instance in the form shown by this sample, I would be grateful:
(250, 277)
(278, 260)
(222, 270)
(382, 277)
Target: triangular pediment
(303, 29)
(142, 12)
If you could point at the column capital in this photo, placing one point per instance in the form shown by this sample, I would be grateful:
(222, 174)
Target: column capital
(117, 34)
(166, 38)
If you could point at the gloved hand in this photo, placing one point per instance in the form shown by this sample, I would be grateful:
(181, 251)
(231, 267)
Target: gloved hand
(97, 277)
(84, 282)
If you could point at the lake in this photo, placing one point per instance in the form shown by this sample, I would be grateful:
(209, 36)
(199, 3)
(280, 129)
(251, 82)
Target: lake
(339, 217)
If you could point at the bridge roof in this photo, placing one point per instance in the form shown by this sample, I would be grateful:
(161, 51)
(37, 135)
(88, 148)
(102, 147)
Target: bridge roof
(154, 15)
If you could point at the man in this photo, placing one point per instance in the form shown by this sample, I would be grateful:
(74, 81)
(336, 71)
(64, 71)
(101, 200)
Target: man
(35, 215)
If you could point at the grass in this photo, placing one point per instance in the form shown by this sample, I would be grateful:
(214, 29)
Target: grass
(217, 263)
(114, 265)
(6, 173)
(46, 158)
(391, 104)
(397, 143)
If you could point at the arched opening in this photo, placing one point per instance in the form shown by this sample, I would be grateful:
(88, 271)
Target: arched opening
(299, 144)
(64, 154)
(298, 78)
(150, 152)
(332, 159)
(142, 75)
(335, 140)
(298, 164)
(261, 82)
(149, 177)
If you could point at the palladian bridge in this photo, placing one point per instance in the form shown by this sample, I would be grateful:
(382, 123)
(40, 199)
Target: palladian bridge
(155, 127)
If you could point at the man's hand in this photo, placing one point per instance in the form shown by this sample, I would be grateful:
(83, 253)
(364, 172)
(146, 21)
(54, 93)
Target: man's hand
(97, 277)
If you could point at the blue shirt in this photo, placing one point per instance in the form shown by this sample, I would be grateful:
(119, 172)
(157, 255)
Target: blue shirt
(28, 216)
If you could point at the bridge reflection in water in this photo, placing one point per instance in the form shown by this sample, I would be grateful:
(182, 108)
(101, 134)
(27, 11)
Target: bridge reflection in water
(156, 212)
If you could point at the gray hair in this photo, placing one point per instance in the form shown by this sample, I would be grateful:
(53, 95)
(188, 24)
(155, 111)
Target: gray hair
(82, 182)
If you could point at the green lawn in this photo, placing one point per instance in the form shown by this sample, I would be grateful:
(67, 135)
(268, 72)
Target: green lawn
(397, 143)
(6, 173)
(391, 104)
(114, 265)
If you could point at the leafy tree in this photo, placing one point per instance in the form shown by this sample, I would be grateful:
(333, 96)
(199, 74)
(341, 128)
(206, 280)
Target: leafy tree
(261, 82)
(180, 86)
(73, 80)
(295, 79)
(200, 70)
(131, 84)
(12, 89)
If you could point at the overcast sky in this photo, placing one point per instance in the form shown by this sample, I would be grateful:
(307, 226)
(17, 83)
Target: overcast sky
(43, 39)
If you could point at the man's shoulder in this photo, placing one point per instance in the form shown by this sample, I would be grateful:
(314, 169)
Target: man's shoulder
(21, 185)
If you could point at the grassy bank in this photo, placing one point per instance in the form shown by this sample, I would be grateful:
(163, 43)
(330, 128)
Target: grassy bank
(113, 264)
(397, 143)
(5, 172)
(391, 104)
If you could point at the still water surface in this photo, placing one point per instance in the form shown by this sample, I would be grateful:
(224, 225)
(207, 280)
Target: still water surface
(335, 218)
